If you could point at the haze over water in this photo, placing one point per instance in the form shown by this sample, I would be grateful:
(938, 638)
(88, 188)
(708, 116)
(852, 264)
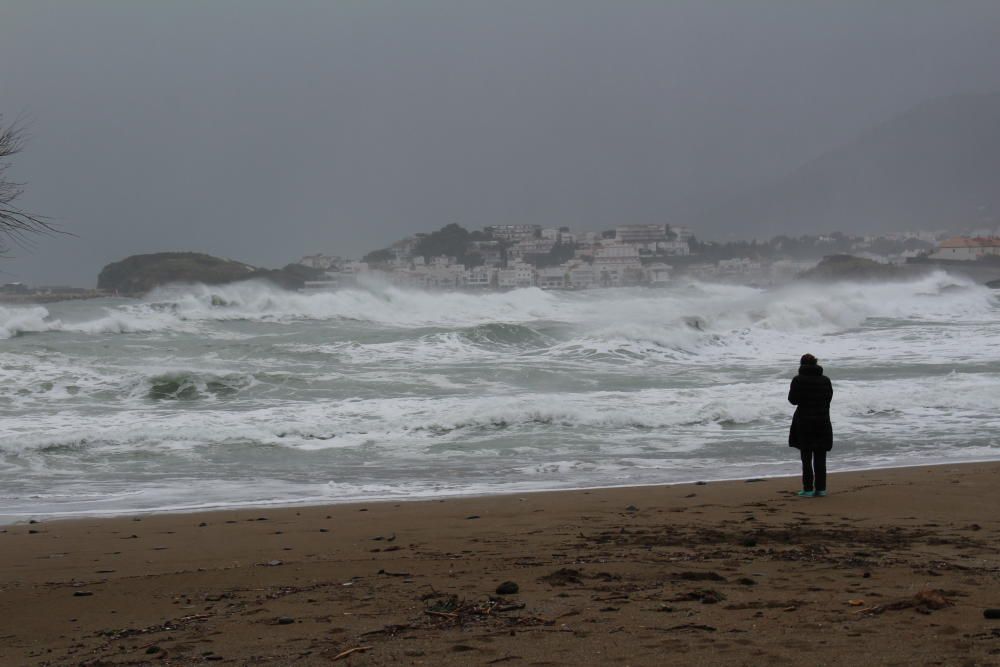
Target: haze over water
(244, 394)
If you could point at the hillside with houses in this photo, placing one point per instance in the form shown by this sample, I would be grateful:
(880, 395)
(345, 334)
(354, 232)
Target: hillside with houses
(524, 255)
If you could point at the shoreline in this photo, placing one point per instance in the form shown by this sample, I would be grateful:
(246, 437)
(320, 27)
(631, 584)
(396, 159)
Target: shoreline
(12, 520)
(894, 567)
(38, 299)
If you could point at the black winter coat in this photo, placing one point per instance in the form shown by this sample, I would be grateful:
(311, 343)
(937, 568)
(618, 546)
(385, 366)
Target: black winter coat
(812, 392)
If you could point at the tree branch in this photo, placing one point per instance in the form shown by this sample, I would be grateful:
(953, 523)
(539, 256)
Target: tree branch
(17, 227)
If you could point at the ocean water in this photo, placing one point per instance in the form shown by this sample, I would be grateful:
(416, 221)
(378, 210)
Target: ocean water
(201, 397)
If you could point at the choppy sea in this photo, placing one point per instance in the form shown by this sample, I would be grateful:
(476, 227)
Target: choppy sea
(238, 395)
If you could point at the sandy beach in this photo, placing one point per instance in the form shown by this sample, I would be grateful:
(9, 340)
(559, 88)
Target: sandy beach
(895, 567)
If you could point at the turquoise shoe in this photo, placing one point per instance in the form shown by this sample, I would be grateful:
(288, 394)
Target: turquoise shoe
(806, 494)
(821, 494)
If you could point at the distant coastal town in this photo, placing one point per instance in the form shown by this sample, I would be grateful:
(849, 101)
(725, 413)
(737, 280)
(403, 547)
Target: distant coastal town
(523, 255)
(504, 257)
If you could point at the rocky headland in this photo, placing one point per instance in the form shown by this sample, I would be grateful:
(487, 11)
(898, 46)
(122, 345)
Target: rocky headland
(139, 274)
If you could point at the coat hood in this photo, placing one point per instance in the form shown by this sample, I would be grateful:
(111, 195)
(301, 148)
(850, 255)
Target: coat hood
(811, 369)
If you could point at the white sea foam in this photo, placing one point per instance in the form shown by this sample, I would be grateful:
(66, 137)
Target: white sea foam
(128, 319)
(691, 313)
(388, 306)
(19, 320)
(409, 426)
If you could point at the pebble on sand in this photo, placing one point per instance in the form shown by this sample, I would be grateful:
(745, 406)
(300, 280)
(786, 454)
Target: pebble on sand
(508, 588)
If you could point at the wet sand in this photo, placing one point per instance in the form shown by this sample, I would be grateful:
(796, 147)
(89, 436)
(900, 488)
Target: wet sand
(895, 567)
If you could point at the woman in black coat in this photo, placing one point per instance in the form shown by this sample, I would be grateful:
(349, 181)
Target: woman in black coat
(811, 432)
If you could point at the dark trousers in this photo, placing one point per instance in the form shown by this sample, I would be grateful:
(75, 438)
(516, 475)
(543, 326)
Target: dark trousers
(813, 469)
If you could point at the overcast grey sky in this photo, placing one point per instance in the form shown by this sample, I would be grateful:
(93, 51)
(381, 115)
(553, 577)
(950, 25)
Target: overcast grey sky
(263, 131)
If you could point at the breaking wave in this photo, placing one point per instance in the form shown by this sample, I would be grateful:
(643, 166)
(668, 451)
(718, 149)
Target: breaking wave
(17, 321)
(695, 310)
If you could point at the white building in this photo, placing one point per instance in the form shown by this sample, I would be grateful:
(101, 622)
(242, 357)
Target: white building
(481, 277)
(964, 248)
(513, 232)
(617, 265)
(319, 261)
(640, 233)
(354, 267)
(442, 261)
(683, 232)
(517, 274)
(922, 235)
(581, 276)
(674, 248)
(337, 279)
(403, 249)
(616, 253)
(532, 247)
(552, 277)
(433, 277)
(657, 275)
